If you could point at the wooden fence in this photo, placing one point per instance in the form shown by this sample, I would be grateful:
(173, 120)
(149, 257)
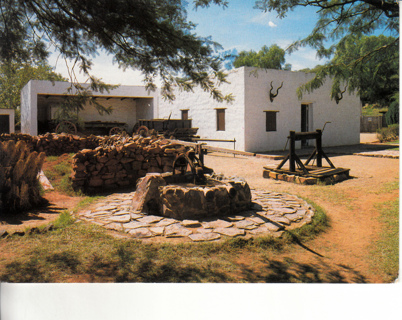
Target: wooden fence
(372, 123)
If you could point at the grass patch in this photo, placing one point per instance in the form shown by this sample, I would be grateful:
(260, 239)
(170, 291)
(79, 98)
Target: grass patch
(88, 200)
(319, 224)
(373, 110)
(86, 252)
(64, 220)
(333, 195)
(59, 172)
(385, 255)
(389, 186)
(393, 142)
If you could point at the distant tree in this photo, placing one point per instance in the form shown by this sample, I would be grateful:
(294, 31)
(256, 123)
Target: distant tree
(339, 22)
(268, 58)
(14, 76)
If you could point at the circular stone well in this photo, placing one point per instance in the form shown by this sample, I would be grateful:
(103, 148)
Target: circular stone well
(163, 195)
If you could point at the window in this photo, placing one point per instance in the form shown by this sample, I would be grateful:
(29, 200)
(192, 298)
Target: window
(184, 114)
(270, 120)
(220, 119)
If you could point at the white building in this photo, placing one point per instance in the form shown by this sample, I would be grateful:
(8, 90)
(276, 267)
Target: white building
(258, 124)
(40, 100)
(257, 120)
(7, 120)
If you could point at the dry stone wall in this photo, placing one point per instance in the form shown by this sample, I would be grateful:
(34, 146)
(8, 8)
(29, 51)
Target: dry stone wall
(55, 144)
(104, 163)
(123, 162)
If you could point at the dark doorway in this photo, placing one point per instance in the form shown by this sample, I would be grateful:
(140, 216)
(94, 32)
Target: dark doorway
(304, 122)
(4, 123)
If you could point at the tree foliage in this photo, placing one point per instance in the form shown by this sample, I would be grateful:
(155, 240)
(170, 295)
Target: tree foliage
(268, 58)
(153, 36)
(340, 23)
(392, 115)
(14, 76)
(376, 79)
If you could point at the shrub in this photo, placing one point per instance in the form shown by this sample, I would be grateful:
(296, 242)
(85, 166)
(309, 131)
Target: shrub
(19, 184)
(388, 134)
(392, 115)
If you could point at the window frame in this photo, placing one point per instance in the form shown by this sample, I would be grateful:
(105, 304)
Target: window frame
(220, 119)
(184, 112)
(271, 123)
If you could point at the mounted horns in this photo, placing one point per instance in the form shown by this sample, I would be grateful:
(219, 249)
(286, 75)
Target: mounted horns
(271, 95)
(338, 97)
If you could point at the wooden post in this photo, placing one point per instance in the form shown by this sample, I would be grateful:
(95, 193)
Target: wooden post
(234, 147)
(292, 147)
(319, 147)
(200, 153)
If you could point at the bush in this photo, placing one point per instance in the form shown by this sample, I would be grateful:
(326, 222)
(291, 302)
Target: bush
(19, 185)
(392, 115)
(388, 134)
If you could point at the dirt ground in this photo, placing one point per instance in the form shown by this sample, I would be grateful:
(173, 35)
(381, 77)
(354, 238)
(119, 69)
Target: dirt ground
(343, 251)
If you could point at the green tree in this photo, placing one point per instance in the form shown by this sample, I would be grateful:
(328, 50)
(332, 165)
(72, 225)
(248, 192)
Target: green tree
(268, 58)
(14, 76)
(339, 22)
(153, 36)
(374, 79)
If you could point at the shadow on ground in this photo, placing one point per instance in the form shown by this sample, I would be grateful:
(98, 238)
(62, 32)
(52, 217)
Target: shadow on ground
(338, 151)
(66, 267)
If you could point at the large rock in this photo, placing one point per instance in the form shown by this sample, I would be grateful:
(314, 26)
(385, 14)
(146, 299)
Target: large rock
(147, 198)
(187, 201)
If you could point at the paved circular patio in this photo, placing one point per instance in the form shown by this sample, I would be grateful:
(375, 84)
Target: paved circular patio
(271, 214)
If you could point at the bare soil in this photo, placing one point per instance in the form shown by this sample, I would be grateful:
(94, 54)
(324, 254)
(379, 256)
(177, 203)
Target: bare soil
(56, 203)
(343, 251)
(341, 254)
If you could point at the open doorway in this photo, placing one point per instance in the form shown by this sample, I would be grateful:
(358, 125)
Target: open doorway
(306, 113)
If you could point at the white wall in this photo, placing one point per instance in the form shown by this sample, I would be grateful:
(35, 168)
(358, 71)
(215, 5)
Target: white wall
(202, 110)
(11, 118)
(344, 128)
(126, 109)
(29, 114)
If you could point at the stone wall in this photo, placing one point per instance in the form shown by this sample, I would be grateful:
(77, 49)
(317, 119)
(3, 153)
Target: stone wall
(123, 162)
(55, 144)
(104, 163)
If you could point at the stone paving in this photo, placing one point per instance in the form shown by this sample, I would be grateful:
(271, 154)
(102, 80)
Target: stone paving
(394, 154)
(271, 213)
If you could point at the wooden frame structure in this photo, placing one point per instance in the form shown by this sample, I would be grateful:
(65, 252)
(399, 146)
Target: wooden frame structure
(292, 156)
(297, 167)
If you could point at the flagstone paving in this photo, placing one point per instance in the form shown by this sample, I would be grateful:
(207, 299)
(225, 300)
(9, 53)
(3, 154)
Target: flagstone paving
(271, 214)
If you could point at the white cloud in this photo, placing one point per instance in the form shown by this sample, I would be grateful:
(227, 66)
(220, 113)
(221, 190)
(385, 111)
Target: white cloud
(263, 19)
(271, 24)
(304, 58)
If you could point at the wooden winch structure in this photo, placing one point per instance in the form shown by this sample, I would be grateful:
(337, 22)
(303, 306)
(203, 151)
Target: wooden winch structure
(297, 167)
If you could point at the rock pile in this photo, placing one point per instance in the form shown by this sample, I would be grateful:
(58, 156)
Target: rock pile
(121, 164)
(55, 144)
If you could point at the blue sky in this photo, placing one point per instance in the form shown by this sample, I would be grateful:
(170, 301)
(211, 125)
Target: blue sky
(238, 26)
(241, 27)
